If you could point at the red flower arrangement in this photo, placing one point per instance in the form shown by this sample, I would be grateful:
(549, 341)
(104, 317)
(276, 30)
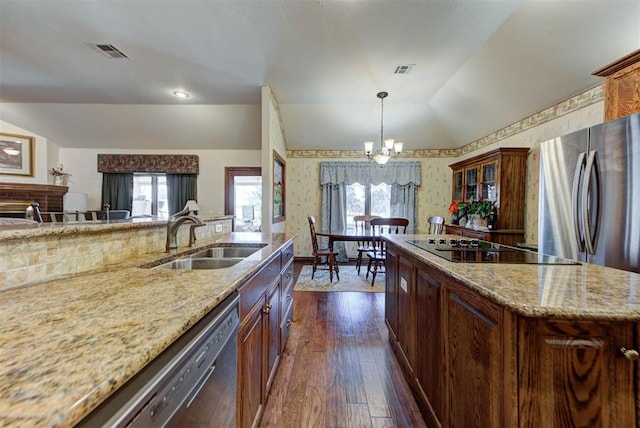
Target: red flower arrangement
(453, 207)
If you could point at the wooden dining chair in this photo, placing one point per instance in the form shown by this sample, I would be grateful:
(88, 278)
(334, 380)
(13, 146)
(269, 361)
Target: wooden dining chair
(362, 224)
(436, 225)
(320, 253)
(378, 256)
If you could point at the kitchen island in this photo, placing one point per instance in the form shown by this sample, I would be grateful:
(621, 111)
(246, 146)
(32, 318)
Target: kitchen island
(496, 345)
(70, 342)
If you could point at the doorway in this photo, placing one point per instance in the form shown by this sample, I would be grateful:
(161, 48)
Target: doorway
(243, 197)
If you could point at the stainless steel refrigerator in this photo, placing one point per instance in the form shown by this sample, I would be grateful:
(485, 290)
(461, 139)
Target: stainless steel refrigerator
(589, 206)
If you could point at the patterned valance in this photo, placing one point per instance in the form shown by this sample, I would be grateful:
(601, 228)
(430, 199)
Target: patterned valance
(400, 172)
(170, 164)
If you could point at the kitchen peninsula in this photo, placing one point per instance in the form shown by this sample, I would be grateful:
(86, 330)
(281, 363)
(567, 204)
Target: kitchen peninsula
(496, 345)
(70, 342)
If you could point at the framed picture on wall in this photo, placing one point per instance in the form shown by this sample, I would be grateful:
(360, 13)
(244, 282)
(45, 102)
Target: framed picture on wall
(16, 154)
(278, 188)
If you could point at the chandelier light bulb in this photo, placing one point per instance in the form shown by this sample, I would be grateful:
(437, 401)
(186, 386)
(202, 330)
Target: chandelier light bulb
(368, 147)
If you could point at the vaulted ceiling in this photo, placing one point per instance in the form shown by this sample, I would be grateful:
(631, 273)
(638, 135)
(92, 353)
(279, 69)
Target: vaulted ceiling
(478, 65)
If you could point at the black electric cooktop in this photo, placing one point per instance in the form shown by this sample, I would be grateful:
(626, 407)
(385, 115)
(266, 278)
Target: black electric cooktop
(475, 251)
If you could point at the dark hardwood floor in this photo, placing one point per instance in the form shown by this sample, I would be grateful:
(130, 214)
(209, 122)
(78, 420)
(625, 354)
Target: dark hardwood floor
(338, 369)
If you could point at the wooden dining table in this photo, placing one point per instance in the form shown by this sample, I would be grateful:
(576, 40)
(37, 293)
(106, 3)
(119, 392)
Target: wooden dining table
(347, 235)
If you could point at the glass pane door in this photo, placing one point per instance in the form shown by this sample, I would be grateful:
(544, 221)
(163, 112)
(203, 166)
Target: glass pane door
(457, 185)
(471, 191)
(248, 203)
(489, 181)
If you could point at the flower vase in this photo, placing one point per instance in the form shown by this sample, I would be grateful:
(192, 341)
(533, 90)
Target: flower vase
(58, 180)
(454, 219)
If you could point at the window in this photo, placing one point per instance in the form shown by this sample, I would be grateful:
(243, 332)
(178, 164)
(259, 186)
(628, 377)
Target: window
(368, 199)
(150, 195)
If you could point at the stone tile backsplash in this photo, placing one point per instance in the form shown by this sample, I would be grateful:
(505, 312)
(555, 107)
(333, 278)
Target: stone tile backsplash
(34, 259)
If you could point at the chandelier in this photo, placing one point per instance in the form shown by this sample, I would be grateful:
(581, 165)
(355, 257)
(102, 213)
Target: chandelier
(383, 155)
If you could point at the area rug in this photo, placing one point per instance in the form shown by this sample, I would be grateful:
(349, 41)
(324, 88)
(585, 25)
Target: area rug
(349, 281)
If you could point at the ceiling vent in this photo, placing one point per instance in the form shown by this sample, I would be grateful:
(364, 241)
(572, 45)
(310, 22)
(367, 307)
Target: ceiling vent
(110, 51)
(403, 68)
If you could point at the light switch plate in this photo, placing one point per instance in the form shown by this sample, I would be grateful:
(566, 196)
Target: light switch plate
(218, 228)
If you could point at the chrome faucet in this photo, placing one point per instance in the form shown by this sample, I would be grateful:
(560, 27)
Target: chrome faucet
(174, 223)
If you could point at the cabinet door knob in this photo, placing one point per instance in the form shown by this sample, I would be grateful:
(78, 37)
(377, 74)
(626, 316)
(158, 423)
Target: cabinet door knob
(629, 354)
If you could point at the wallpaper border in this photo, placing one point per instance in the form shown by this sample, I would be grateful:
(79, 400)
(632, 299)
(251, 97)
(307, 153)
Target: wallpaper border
(570, 105)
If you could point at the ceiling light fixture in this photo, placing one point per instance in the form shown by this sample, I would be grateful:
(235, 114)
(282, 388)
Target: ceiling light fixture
(381, 157)
(181, 94)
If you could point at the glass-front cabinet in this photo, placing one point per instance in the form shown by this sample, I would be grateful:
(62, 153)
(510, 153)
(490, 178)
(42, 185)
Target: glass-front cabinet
(471, 183)
(498, 175)
(458, 185)
(489, 181)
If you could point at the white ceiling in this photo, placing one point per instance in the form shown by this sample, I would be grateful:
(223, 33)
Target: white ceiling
(479, 65)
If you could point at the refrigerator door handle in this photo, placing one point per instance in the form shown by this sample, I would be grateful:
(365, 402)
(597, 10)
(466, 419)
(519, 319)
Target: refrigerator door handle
(575, 202)
(592, 171)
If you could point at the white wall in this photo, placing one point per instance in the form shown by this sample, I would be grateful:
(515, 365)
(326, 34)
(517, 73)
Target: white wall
(43, 152)
(82, 164)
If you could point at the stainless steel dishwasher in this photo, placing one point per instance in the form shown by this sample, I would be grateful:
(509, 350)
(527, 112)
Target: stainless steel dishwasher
(192, 383)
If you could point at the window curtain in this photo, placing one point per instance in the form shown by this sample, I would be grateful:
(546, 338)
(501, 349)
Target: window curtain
(404, 178)
(404, 202)
(180, 189)
(333, 216)
(117, 190)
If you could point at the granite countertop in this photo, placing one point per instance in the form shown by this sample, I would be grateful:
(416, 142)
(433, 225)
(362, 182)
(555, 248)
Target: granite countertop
(19, 228)
(583, 291)
(67, 344)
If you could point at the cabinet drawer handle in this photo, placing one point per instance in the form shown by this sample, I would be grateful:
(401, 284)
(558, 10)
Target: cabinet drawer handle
(629, 354)
(287, 275)
(289, 322)
(267, 308)
(289, 297)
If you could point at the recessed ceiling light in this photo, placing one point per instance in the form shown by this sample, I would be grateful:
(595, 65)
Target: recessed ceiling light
(181, 94)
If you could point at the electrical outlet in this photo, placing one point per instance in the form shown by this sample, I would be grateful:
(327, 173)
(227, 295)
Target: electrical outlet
(218, 228)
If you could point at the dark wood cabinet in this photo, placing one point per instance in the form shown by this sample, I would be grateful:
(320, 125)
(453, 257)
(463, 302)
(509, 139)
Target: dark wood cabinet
(266, 307)
(501, 236)
(271, 312)
(391, 294)
(429, 372)
(250, 353)
(476, 360)
(455, 347)
(406, 313)
(499, 176)
(582, 359)
(471, 362)
(621, 86)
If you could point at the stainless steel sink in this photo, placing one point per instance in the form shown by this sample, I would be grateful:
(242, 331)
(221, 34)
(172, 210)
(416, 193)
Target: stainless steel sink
(225, 252)
(202, 263)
